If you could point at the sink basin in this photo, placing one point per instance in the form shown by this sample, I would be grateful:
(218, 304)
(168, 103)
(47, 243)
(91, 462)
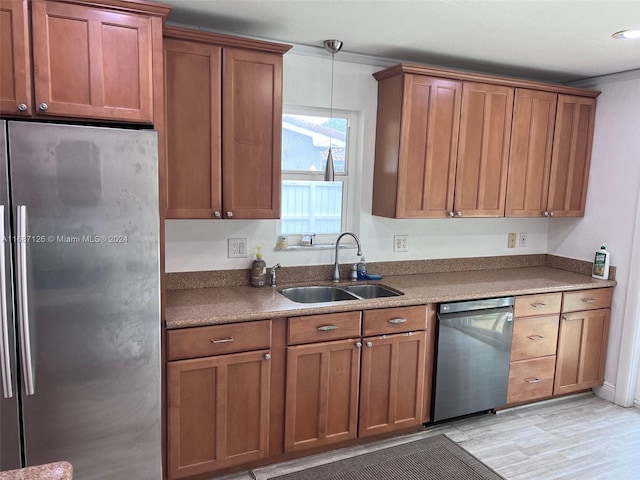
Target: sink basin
(319, 294)
(371, 291)
(316, 294)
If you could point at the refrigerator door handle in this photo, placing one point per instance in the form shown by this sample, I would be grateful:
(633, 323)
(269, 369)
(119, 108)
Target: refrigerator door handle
(23, 301)
(5, 361)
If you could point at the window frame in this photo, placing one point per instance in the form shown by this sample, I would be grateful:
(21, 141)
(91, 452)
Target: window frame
(347, 177)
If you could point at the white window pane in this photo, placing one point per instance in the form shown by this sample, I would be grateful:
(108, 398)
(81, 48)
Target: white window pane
(305, 143)
(311, 207)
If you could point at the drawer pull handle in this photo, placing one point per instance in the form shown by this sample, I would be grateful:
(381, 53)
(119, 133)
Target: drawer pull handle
(369, 344)
(396, 321)
(588, 300)
(267, 356)
(538, 305)
(222, 340)
(327, 328)
(535, 337)
(532, 380)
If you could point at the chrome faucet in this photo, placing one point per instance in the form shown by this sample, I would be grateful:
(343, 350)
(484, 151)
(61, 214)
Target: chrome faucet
(272, 273)
(336, 270)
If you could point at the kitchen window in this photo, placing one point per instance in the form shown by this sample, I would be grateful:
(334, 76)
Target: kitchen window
(311, 205)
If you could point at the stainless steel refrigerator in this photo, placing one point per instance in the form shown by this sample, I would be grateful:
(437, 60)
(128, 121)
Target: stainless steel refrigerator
(80, 300)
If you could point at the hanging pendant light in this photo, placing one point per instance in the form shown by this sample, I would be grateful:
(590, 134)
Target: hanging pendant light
(333, 47)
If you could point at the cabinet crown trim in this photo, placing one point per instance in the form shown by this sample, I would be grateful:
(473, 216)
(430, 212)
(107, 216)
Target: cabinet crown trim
(403, 68)
(130, 6)
(212, 38)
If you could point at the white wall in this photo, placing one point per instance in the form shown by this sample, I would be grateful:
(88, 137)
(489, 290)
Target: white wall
(612, 217)
(196, 245)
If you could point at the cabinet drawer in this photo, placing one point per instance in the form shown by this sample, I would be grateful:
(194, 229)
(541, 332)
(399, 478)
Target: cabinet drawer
(544, 304)
(318, 328)
(587, 299)
(534, 337)
(394, 320)
(531, 379)
(217, 339)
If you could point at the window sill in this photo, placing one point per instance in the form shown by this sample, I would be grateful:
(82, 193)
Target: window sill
(318, 246)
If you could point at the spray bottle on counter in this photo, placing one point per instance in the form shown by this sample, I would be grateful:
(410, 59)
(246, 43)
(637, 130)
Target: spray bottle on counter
(258, 270)
(601, 264)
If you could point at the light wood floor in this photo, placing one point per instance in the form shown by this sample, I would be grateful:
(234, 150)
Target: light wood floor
(580, 437)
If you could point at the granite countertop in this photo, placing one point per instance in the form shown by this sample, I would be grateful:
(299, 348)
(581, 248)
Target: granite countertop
(219, 305)
(47, 471)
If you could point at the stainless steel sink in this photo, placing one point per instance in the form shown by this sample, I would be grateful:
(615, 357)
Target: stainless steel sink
(316, 294)
(320, 294)
(372, 291)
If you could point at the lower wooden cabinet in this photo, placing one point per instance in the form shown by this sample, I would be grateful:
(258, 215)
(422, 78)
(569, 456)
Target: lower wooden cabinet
(531, 379)
(218, 412)
(392, 385)
(321, 394)
(582, 350)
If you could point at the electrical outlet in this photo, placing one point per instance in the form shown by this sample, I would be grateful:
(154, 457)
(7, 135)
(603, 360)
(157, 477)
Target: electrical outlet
(237, 248)
(512, 241)
(522, 239)
(401, 243)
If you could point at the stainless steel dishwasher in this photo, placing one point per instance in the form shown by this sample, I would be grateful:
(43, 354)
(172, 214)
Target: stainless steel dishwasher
(472, 356)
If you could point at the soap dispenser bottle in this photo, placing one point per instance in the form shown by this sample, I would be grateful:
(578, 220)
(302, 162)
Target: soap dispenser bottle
(258, 270)
(361, 268)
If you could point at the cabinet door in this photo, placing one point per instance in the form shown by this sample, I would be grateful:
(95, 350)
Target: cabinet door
(483, 153)
(571, 157)
(193, 79)
(251, 133)
(322, 394)
(530, 153)
(91, 63)
(582, 349)
(218, 412)
(392, 382)
(15, 70)
(429, 147)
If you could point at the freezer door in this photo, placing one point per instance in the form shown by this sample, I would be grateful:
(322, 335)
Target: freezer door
(89, 200)
(9, 420)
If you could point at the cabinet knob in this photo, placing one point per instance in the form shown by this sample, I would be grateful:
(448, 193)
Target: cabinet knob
(545, 213)
(22, 107)
(451, 214)
(458, 213)
(358, 344)
(551, 214)
(230, 214)
(369, 344)
(267, 356)
(217, 214)
(43, 106)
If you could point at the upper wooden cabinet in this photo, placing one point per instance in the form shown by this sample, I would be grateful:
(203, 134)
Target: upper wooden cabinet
(534, 116)
(550, 154)
(223, 125)
(571, 158)
(90, 61)
(458, 144)
(15, 65)
(416, 146)
(483, 153)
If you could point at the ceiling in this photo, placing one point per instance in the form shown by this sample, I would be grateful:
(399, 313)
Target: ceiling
(549, 40)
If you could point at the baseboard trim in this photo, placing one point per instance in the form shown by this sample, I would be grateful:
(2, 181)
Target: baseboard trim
(636, 403)
(606, 391)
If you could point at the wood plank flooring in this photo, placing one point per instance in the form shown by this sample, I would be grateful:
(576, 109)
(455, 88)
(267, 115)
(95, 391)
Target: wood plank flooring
(578, 437)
